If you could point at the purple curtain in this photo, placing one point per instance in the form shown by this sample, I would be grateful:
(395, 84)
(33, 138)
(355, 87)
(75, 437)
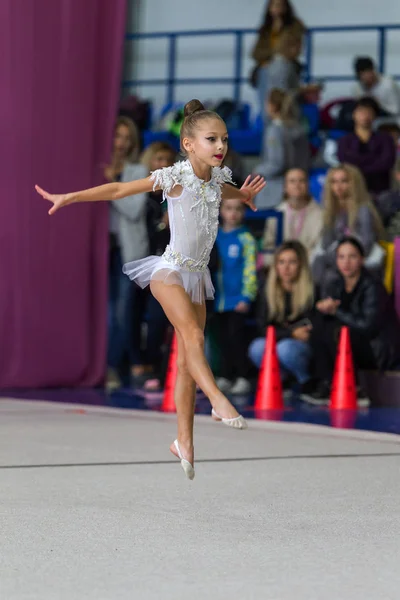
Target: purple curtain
(59, 82)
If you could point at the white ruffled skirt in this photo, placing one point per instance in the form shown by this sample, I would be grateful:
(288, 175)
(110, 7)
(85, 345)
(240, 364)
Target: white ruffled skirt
(197, 284)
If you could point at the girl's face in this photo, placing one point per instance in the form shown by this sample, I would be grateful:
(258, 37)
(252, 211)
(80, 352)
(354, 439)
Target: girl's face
(340, 184)
(296, 184)
(277, 8)
(288, 266)
(349, 261)
(122, 140)
(210, 142)
(161, 159)
(232, 212)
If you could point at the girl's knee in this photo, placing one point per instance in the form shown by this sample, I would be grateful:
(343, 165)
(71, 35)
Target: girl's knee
(284, 348)
(193, 337)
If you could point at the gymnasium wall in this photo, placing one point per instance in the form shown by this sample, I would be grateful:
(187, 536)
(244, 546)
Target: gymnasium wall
(213, 56)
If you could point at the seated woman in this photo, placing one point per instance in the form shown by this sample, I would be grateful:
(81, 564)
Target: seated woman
(348, 210)
(302, 219)
(286, 303)
(286, 147)
(358, 300)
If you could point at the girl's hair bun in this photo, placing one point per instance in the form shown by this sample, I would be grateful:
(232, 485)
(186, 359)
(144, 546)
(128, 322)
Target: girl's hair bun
(192, 107)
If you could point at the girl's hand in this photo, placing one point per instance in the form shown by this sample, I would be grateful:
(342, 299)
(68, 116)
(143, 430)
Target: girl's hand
(58, 200)
(252, 188)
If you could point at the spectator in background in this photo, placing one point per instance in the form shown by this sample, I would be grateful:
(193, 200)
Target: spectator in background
(286, 147)
(156, 156)
(359, 301)
(128, 241)
(235, 163)
(303, 217)
(393, 129)
(287, 303)
(283, 70)
(388, 203)
(373, 152)
(279, 19)
(348, 210)
(382, 88)
(235, 290)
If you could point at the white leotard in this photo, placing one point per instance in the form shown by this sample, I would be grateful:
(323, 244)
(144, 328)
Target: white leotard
(193, 220)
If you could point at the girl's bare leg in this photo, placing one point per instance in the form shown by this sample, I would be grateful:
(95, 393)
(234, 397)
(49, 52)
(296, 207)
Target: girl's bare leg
(185, 402)
(184, 316)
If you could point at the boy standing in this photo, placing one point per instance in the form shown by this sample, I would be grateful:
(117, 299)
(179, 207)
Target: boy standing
(236, 289)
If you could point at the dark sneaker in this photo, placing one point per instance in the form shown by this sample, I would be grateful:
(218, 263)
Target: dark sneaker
(363, 400)
(318, 394)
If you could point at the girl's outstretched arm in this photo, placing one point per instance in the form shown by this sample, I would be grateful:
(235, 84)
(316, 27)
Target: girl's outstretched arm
(109, 191)
(247, 192)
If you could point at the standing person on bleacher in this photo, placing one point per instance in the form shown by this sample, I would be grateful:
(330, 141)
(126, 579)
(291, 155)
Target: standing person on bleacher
(279, 19)
(235, 290)
(128, 241)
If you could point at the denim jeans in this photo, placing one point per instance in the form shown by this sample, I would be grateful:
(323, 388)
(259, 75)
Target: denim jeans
(294, 356)
(120, 318)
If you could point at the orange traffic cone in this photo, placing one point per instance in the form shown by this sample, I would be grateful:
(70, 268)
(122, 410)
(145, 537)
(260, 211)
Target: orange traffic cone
(168, 404)
(343, 392)
(269, 387)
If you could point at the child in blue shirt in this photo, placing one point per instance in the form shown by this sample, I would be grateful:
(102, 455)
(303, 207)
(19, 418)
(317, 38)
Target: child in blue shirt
(235, 290)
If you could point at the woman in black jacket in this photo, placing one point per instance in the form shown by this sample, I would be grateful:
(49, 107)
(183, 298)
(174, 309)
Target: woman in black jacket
(286, 303)
(358, 300)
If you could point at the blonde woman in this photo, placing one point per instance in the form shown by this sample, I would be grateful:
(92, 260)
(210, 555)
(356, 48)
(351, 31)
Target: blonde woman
(303, 217)
(348, 210)
(286, 147)
(128, 241)
(286, 303)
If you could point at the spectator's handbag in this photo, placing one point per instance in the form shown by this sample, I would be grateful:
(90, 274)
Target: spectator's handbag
(389, 265)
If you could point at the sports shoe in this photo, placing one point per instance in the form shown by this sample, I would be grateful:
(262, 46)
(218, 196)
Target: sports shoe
(224, 385)
(241, 386)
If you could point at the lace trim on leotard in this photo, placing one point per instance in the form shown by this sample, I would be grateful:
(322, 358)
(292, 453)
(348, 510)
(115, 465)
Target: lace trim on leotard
(181, 173)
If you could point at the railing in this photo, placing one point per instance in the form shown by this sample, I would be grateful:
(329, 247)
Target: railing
(237, 79)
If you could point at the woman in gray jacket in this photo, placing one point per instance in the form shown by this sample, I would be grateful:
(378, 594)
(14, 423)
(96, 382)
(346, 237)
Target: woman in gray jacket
(128, 241)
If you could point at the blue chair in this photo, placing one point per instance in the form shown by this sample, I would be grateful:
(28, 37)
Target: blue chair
(316, 183)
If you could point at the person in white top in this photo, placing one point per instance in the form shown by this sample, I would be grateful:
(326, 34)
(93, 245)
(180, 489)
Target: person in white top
(303, 220)
(382, 88)
(179, 279)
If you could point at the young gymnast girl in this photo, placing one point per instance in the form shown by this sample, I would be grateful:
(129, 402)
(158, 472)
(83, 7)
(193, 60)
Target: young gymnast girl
(180, 279)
